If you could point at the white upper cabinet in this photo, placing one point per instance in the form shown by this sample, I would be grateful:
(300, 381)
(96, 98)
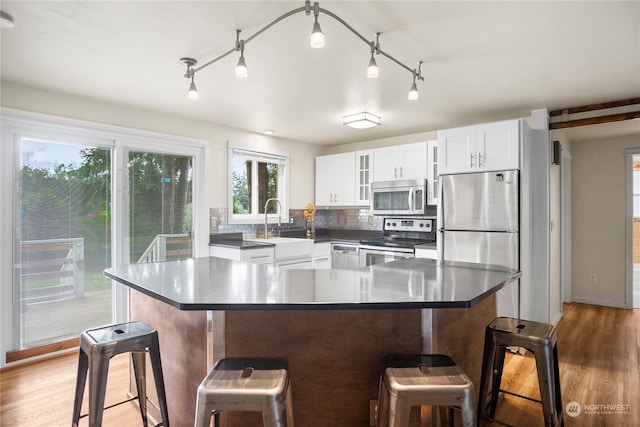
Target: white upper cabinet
(485, 147)
(408, 161)
(364, 175)
(432, 172)
(336, 180)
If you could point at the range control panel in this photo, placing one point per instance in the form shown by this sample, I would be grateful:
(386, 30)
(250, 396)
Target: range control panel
(408, 224)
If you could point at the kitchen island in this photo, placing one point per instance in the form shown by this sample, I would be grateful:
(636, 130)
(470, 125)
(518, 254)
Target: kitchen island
(333, 326)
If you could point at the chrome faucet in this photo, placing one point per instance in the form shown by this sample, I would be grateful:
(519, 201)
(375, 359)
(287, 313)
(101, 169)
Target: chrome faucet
(266, 233)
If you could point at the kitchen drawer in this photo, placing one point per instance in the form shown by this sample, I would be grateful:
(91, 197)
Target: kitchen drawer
(254, 255)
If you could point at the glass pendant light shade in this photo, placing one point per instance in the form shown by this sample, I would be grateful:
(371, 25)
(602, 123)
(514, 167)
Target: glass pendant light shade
(413, 92)
(192, 95)
(372, 68)
(241, 68)
(317, 36)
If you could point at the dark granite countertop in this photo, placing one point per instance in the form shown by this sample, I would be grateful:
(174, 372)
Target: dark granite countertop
(218, 284)
(235, 240)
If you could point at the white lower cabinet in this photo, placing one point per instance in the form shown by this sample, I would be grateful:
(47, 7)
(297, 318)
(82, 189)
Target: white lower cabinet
(298, 263)
(254, 255)
(321, 257)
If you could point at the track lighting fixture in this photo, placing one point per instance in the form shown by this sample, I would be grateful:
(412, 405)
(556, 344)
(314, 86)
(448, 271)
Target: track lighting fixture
(372, 68)
(192, 95)
(413, 91)
(316, 40)
(317, 36)
(241, 68)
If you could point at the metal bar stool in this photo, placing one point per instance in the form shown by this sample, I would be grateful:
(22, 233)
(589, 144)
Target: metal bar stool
(414, 380)
(247, 384)
(538, 338)
(97, 347)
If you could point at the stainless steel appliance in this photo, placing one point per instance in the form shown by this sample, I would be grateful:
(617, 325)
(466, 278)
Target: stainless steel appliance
(345, 256)
(399, 237)
(407, 197)
(480, 223)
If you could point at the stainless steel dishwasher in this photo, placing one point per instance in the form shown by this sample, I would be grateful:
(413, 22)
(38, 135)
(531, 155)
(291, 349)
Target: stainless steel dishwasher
(345, 256)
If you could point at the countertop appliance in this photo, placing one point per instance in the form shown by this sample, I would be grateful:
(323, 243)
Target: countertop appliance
(399, 238)
(345, 256)
(406, 197)
(480, 223)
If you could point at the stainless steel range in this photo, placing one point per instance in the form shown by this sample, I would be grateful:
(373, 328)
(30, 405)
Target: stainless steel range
(399, 238)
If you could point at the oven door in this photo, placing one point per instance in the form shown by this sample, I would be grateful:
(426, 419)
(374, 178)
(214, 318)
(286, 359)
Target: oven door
(370, 255)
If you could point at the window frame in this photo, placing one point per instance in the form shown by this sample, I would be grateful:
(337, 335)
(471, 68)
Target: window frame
(280, 158)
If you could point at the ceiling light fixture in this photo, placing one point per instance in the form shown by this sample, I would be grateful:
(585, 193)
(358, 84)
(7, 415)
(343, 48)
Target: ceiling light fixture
(6, 20)
(268, 131)
(317, 36)
(192, 95)
(241, 68)
(362, 120)
(372, 68)
(317, 41)
(413, 91)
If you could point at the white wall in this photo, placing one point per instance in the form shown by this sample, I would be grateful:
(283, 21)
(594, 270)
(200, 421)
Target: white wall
(384, 142)
(302, 155)
(598, 201)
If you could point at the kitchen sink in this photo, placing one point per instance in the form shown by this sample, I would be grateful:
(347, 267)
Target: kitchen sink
(288, 247)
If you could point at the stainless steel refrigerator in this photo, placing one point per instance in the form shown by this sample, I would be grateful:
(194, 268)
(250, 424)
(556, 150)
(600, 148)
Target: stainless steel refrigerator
(480, 223)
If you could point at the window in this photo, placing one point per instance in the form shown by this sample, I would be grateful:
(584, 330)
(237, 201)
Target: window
(255, 178)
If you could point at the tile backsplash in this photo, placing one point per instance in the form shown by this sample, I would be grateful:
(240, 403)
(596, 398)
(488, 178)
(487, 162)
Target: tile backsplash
(348, 219)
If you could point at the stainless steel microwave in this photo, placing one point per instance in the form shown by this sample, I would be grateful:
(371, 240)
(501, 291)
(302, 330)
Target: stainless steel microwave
(407, 197)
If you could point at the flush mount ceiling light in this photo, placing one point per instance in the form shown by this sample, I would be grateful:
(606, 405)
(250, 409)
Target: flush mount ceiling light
(362, 120)
(316, 41)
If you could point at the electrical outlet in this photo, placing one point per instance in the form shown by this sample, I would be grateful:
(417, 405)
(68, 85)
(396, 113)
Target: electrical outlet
(593, 279)
(290, 220)
(373, 412)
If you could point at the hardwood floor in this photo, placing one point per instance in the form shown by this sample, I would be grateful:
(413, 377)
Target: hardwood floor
(599, 365)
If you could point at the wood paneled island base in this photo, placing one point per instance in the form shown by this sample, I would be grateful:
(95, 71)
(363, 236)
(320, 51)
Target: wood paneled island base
(335, 356)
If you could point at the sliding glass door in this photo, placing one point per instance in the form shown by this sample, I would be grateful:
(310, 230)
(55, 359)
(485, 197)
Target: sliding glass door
(160, 206)
(62, 240)
(75, 199)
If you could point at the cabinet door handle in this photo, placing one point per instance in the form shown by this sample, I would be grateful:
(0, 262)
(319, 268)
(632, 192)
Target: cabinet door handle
(471, 159)
(479, 159)
(401, 173)
(395, 173)
(261, 257)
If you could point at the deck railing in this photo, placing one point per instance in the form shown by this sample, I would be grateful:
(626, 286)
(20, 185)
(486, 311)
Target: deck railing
(168, 246)
(51, 270)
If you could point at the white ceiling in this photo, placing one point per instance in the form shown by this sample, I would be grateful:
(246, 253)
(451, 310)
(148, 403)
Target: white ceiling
(484, 61)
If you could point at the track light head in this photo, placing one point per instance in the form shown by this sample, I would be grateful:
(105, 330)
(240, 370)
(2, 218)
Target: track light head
(372, 69)
(241, 68)
(413, 92)
(317, 36)
(192, 94)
